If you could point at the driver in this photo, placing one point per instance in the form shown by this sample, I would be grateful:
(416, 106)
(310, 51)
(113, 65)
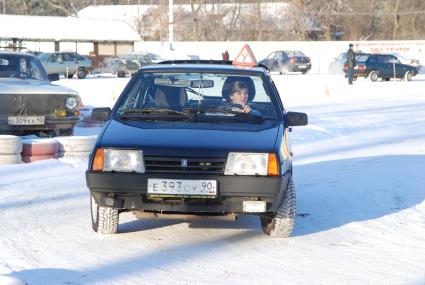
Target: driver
(240, 91)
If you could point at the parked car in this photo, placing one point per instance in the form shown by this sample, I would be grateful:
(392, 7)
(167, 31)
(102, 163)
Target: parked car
(287, 61)
(385, 66)
(66, 63)
(174, 145)
(29, 103)
(130, 63)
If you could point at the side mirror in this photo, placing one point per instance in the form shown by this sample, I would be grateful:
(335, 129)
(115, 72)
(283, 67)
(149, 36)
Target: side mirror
(100, 114)
(53, 77)
(296, 119)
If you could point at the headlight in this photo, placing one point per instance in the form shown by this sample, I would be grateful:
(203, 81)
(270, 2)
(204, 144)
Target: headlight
(122, 160)
(71, 103)
(251, 164)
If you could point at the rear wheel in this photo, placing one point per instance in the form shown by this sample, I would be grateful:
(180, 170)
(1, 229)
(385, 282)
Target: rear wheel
(408, 76)
(121, 74)
(70, 75)
(282, 222)
(104, 219)
(373, 76)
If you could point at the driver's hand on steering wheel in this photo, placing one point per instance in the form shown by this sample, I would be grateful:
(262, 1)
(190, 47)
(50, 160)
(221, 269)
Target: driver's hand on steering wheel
(246, 109)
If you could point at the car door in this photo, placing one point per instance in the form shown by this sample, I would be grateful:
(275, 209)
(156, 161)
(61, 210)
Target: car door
(397, 67)
(53, 63)
(281, 59)
(70, 63)
(385, 68)
(269, 61)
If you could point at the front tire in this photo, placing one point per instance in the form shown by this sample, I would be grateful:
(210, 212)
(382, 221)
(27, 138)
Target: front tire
(373, 76)
(281, 224)
(104, 219)
(408, 76)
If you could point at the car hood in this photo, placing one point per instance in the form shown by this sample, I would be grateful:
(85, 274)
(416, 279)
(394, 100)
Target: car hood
(191, 139)
(20, 86)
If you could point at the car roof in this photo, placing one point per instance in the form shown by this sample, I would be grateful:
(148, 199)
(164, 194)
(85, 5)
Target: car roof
(17, 53)
(204, 66)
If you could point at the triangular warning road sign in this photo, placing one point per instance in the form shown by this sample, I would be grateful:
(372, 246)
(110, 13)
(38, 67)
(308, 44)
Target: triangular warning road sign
(245, 57)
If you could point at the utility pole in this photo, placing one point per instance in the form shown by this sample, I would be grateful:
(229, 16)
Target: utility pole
(170, 23)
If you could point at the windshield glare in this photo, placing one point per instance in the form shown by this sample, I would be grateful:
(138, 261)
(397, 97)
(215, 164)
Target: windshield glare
(204, 95)
(20, 66)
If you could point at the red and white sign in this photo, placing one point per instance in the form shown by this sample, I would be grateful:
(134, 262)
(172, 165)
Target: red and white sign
(245, 57)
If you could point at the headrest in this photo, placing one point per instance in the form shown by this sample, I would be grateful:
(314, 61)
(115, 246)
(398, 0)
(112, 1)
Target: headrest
(170, 97)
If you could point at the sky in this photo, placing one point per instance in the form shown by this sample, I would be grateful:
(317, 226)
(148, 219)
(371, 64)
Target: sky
(359, 179)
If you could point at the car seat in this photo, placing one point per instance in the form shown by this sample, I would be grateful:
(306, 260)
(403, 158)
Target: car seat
(226, 90)
(170, 97)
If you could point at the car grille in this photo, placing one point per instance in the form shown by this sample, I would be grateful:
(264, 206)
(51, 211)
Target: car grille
(30, 104)
(160, 164)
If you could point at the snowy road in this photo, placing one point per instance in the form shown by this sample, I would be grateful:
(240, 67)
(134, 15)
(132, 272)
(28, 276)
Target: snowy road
(360, 191)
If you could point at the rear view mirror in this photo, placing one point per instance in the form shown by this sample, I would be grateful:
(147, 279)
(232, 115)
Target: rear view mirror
(202, 83)
(296, 119)
(100, 114)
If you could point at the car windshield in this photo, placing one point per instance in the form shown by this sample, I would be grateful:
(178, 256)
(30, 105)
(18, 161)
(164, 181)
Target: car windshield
(362, 58)
(21, 66)
(196, 96)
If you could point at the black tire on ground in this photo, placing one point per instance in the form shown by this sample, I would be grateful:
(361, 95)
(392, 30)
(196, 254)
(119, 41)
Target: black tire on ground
(304, 71)
(70, 75)
(408, 76)
(281, 224)
(81, 73)
(104, 219)
(373, 76)
(387, 79)
(121, 74)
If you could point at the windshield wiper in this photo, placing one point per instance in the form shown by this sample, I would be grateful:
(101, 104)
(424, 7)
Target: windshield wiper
(152, 111)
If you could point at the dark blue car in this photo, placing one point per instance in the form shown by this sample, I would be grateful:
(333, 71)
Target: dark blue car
(178, 142)
(385, 66)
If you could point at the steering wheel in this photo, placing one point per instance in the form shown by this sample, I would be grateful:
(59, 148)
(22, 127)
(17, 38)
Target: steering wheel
(20, 74)
(234, 107)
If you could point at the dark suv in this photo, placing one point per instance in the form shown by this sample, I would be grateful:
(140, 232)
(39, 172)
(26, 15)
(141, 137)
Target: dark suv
(174, 144)
(29, 103)
(385, 66)
(287, 61)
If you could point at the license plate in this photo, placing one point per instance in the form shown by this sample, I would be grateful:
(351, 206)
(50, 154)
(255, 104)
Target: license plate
(29, 120)
(182, 187)
(302, 66)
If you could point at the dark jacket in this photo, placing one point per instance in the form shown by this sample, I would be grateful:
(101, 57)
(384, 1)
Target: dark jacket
(351, 58)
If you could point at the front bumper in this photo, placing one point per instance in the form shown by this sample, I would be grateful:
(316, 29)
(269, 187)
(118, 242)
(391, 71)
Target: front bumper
(50, 123)
(128, 191)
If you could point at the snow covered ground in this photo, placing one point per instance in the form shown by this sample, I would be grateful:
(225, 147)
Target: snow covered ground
(359, 176)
